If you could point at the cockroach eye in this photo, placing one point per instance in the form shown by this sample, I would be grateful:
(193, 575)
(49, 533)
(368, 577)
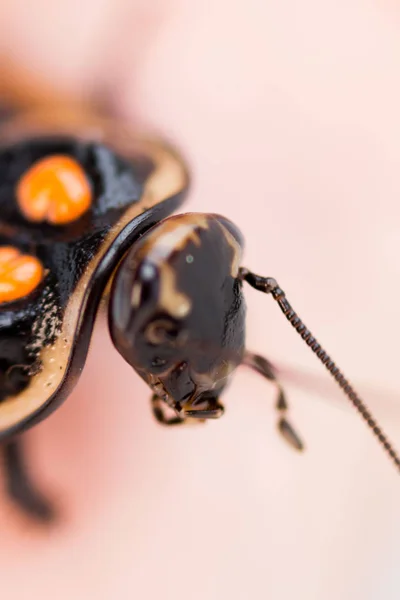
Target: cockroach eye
(161, 331)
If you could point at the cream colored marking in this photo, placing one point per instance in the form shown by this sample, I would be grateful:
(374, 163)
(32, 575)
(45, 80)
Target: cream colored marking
(168, 178)
(171, 300)
(171, 235)
(237, 250)
(136, 293)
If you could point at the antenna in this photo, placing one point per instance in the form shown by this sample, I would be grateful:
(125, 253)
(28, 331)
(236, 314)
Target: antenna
(268, 285)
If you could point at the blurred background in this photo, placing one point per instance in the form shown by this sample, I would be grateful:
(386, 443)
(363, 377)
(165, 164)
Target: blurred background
(288, 113)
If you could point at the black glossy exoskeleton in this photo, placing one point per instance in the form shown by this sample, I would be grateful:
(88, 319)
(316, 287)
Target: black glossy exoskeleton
(95, 223)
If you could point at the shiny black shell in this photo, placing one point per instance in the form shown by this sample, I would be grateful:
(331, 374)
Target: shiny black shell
(177, 311)
(44, 338)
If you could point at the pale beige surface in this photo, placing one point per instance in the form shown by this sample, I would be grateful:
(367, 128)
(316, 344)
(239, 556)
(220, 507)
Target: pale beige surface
(289, 114)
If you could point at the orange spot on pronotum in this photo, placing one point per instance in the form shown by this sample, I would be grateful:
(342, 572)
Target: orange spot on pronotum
(54, 189)
(20, 274)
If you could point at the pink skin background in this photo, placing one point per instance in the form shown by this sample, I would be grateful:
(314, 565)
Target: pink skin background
(288, 113)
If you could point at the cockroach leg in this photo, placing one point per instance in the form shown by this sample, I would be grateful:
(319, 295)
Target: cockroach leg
(266, 369)
(19, 487)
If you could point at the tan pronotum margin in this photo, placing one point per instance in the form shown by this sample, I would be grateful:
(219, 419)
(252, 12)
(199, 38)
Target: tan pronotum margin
(168, 178)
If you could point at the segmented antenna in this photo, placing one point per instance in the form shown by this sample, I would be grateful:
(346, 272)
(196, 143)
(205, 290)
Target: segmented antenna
(268, 285)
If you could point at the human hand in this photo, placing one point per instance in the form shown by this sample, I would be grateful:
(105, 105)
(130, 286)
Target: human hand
(289, 119)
